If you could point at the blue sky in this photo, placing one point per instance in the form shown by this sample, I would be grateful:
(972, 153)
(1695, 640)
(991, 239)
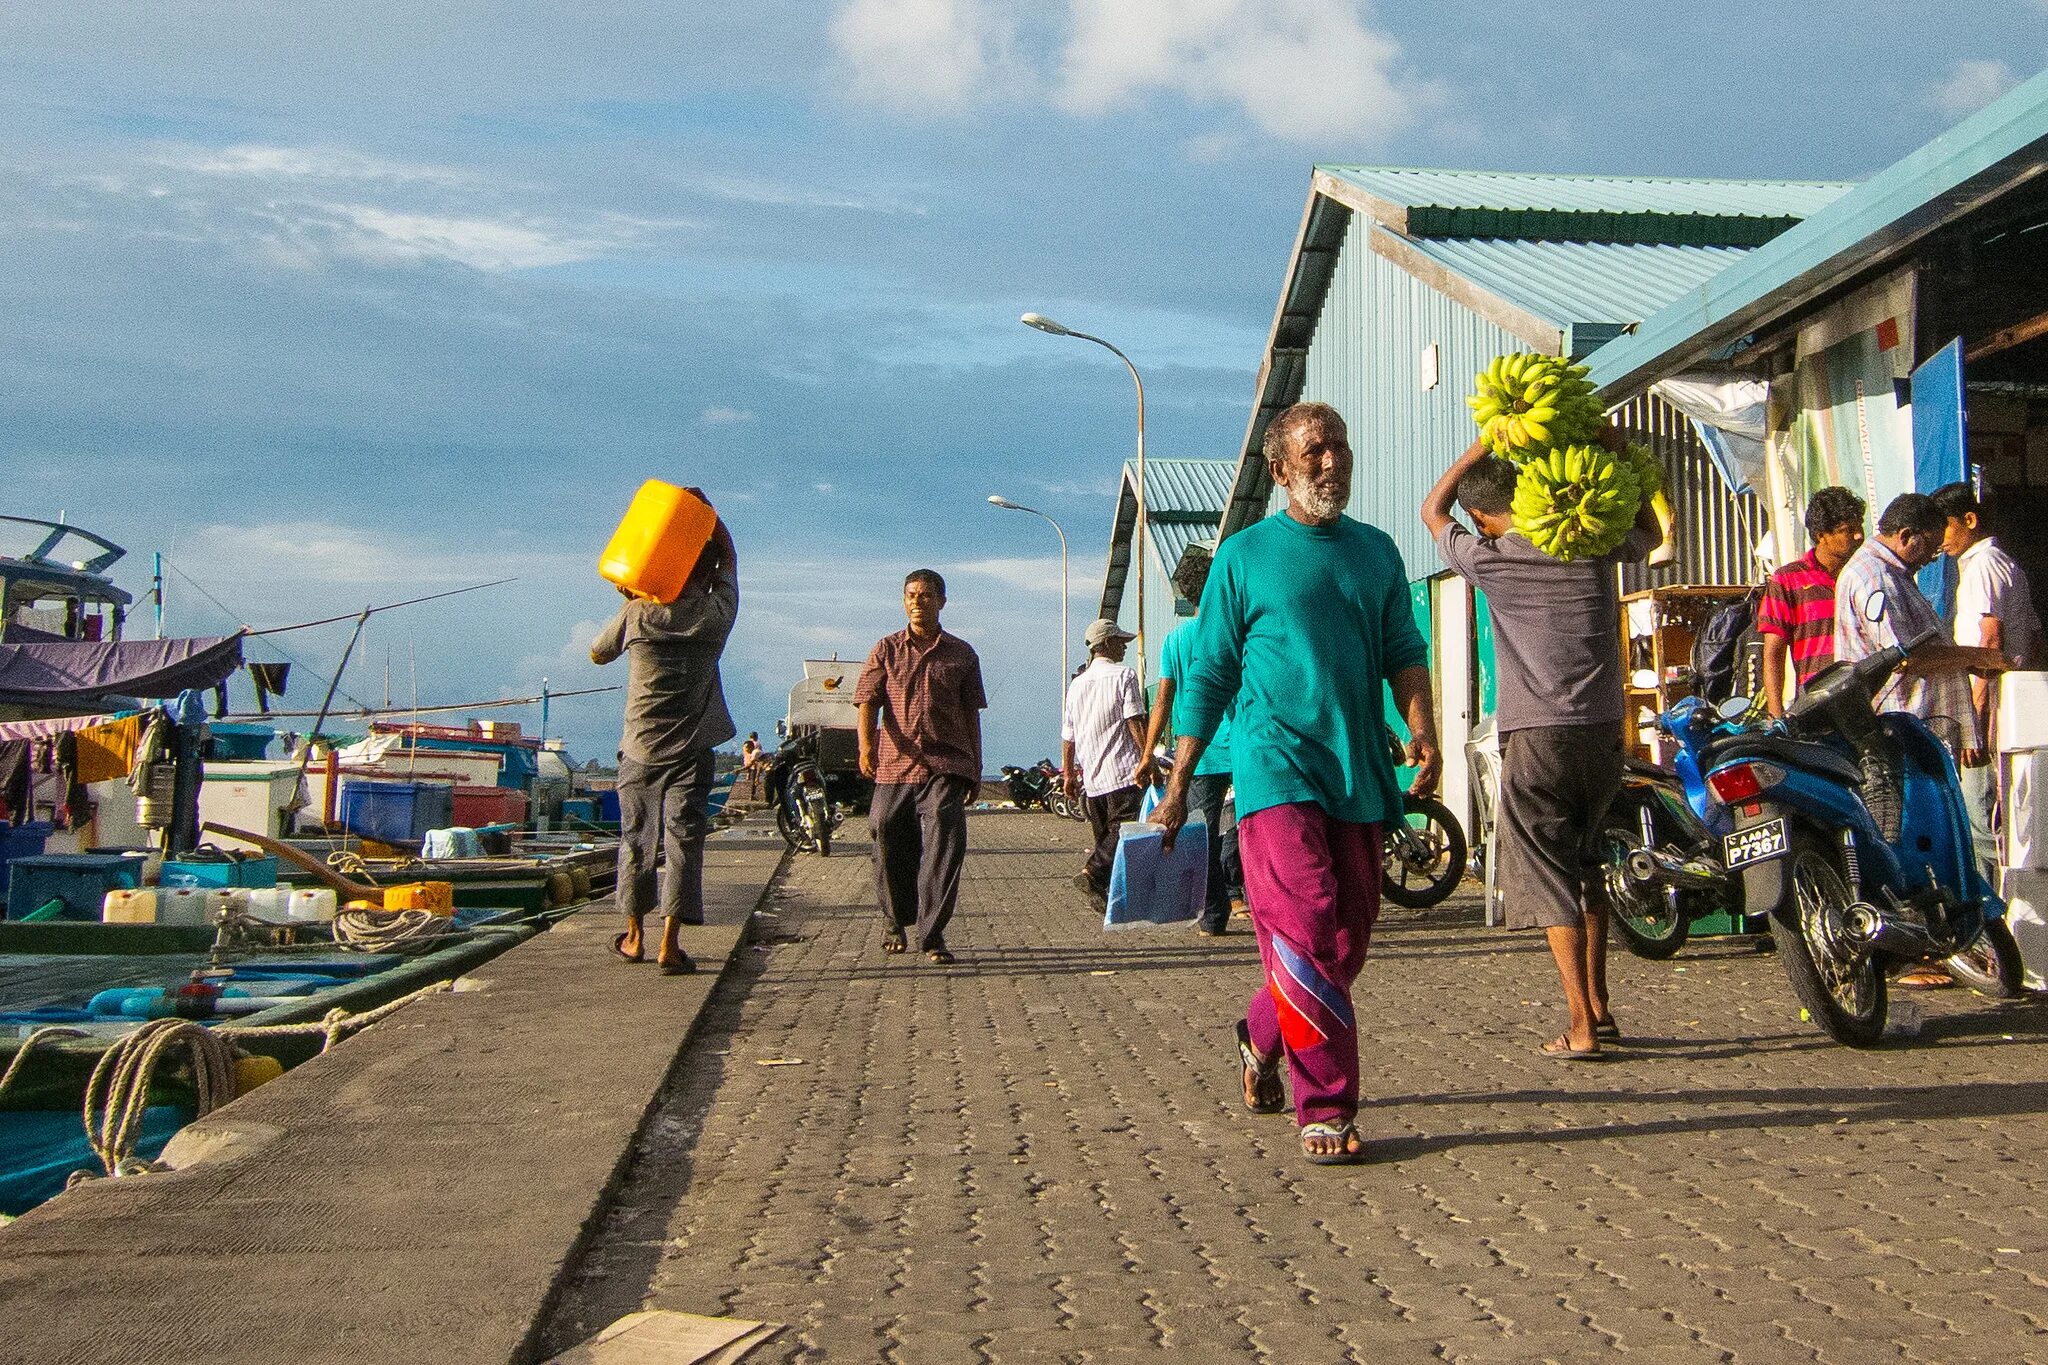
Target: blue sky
(337, 305)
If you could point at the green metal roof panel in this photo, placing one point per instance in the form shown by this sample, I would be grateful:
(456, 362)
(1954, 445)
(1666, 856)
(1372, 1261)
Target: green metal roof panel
(1574, 283)
(2000, 146)
(1184, 488)
(1422, 188)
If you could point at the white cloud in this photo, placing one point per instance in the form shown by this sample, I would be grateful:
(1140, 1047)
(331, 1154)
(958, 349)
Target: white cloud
(1304, 70)
(283, 555)
(1031, 575)
(1971, 84)
(921, 54)
(1311, 71)
(482, 243)
(726, 417)
(307, 163)
(771, 195)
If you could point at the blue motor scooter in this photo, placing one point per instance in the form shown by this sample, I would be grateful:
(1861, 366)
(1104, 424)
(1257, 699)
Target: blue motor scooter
(1850, 829)
(1661, 839)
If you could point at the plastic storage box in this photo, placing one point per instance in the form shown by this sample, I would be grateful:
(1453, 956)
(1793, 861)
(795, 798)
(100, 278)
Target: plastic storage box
(252, 872)
(395, 812)
(20, 841)
(80, 880)
(478, 806)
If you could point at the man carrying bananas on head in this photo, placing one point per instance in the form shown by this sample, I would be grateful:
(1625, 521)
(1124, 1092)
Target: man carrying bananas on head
(1556, 628)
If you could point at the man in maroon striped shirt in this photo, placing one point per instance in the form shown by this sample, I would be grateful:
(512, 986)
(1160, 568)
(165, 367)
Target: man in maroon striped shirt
(1797, 612)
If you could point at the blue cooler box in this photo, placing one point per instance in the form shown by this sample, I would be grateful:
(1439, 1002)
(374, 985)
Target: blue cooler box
(80, 880)
(395, 812)
(211, 872)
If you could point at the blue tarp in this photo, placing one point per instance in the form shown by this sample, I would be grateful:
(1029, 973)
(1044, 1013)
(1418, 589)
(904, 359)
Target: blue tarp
(39, 1149)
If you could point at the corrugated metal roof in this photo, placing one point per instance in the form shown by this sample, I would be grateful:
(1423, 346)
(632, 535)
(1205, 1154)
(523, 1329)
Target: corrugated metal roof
(1176, 488)
(1997, 149)
(1577, 282)
(1421, 187)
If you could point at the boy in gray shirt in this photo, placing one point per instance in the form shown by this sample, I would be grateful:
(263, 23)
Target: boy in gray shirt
(1557, 657)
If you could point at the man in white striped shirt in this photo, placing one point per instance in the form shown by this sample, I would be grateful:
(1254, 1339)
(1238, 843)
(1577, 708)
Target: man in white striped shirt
(1101, 733)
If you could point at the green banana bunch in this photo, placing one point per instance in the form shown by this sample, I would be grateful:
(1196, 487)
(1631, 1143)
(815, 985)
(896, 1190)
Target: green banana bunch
(1526, 403)
(1576, 501)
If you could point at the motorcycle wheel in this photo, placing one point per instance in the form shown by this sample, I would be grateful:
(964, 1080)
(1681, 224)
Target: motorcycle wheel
(1423, 862)
(792, 831)
(1649, 923)
(818, 825)
(1057, 804)
(1991, 965)
(1842, 988)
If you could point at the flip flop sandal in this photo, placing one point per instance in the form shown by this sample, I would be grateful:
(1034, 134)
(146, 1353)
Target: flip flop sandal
(1343, 1133)
(892, 942)
(682, 966)
(1560, 1049)
(939, 955)
(1609, 1032)
(619, 947)
(1265, 1074)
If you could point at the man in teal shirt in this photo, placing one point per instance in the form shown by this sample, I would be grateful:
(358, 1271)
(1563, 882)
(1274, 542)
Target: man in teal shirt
(1304, 624)
(1212, 775)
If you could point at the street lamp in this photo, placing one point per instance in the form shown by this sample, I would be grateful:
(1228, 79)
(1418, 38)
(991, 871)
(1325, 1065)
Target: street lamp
(1047, 325)
(1006, 504)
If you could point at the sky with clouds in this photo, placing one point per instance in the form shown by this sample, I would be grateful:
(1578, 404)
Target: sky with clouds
(339, 305)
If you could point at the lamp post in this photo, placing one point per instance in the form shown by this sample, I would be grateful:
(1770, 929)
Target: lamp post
(1006, 504)
(1047, 325)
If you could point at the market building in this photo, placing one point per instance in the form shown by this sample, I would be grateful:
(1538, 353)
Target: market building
(1183, 506)
(1404, 282)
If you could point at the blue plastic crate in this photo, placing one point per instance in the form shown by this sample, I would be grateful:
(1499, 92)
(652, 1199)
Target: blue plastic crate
(21, 841)
(252, 872)
(80, 880)
(395, 812)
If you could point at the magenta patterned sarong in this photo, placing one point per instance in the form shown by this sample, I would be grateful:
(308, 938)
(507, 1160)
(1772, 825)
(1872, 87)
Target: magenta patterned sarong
(1313, 885)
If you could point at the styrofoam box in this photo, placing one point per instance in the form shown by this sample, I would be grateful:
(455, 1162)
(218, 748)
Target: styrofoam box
(2023, 711)
(2026, 913)
(2025, 810)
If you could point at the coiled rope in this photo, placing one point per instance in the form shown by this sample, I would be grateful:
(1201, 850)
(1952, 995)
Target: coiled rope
(118, 1093)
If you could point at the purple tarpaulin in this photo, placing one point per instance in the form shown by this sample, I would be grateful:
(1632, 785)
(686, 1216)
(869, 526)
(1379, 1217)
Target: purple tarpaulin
(81, 673)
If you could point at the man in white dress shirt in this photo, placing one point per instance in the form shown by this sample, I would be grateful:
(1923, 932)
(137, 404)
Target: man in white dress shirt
(1101, 734)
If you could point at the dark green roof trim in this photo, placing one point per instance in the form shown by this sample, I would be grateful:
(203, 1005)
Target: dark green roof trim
(1574, 225)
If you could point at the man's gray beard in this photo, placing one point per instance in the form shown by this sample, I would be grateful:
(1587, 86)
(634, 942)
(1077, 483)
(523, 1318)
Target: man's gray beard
(1317, 505)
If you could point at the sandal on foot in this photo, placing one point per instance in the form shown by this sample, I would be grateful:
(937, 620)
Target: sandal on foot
(938, 955)
(1562, 1050)
(678, 966)
(1344, 1133)
(619, 947)
(1607, 1031)
(1265, 1074)
(892, 942)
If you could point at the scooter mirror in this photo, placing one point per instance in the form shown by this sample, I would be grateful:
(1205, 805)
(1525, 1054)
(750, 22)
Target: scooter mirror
(1733, 709)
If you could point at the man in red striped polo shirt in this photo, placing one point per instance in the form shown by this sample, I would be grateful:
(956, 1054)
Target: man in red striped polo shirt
(1797, 613)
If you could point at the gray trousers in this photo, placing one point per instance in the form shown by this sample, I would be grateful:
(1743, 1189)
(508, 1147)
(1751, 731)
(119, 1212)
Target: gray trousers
(662, 814)
(1205, 795)
(1980, 799)
(920, 831)
(1556, 782)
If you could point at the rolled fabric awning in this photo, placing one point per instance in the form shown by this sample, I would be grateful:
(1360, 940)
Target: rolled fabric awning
(82, 673)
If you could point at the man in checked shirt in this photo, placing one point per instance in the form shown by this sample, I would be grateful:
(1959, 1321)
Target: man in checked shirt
(920, 699)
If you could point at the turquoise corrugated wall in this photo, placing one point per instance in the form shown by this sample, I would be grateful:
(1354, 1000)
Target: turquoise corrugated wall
(1365, 361)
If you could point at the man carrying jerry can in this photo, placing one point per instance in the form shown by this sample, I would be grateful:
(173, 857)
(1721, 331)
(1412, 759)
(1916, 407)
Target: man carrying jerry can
(675, 704)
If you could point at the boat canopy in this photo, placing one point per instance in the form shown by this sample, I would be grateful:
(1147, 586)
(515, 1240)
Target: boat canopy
(81, 675)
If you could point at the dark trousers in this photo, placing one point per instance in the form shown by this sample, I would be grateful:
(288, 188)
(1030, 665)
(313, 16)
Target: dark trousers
(662, 813)
(1106, 815)
(920, 831)
(1205, 798)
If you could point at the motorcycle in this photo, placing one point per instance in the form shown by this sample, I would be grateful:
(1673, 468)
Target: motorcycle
(1424, 854)
(805, 813)
(1032, 786)
(1849, 827)
(1661, 840)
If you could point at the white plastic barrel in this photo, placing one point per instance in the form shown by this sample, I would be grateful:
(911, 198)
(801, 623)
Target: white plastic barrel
(123, 906)
(184, 905)
(2026, 914)
(270, 904)
(312, 905)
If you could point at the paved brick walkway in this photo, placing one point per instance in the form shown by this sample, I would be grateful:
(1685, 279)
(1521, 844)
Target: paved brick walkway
(1038, 1154)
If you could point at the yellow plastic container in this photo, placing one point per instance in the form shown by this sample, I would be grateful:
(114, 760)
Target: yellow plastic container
(129, 907)
(434, 897)
(659, 542)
